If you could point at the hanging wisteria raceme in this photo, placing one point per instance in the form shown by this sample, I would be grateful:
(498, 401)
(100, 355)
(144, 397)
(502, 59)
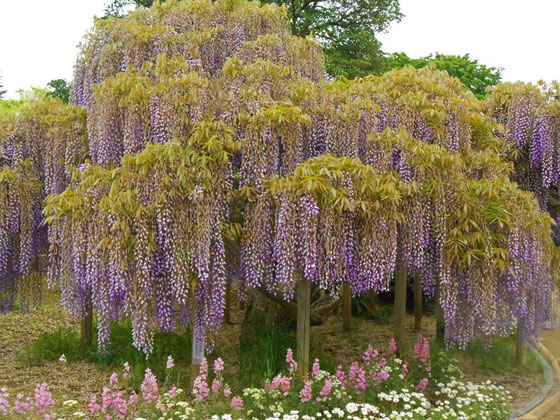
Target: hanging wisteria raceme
(145, 239)
(511, 260)
(317, 223)
(470, 218)
(20, 236)
(531, 117)
(39, 148)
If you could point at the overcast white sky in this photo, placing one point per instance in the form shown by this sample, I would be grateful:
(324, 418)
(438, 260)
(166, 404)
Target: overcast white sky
(38, 38)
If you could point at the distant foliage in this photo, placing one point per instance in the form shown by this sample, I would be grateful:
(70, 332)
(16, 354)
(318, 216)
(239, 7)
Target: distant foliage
(347, 31)
(475, 76)
(60, 89)
(2, 92)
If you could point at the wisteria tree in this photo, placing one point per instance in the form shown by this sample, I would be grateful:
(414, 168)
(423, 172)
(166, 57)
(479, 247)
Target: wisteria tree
(213, 137)
(38, 147)
(530, 118)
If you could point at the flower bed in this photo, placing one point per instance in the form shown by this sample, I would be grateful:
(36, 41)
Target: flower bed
(371, 388)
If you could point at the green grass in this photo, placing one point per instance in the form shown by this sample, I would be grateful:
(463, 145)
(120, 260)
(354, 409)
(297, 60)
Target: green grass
(49, 346)
(500, 357)
(382, 313)
(262, 351)
(497, 358)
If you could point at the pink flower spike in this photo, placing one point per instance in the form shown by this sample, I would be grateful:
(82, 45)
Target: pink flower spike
(215, 386)
(172, 392)
(170, 363)
(422, 350)
(325, 392)
(382, 375)
(306, 391)
(21, 405)
(218, 366)
(114, 380)
(62, 358)
(200, 388)
(93, 405)
(4, 403)
(126, 373)
(422, 385)
(357, 376)
(237, 403)
(341, 376)
(366, 357)
(133, 399)
(290, 361)
(405, 370)
(106, 399)
(227, 391)
(393, 347)
(149, 387)
(316, 368)
(204, 368)
(43, 398)
(120, 405)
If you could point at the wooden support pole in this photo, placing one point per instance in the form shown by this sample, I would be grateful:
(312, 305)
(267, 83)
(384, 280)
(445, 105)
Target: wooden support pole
(440, 321)
(400, 306)
(86, 327)
(243, 304)
(198, 341)
(521, 342)
(417, 303)
(227, 309)
(303, 325)
(198, 344)
(271, 313)
(346, 306)
(372, 302)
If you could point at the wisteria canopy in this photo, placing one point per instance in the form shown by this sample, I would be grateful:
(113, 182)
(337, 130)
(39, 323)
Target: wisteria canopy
(183, 113)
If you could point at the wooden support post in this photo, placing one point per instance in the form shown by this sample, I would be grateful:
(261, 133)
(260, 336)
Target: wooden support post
(440, 320)
(86, 327)
(271, 313)
(346, 306)
(372, 302)
(227, 309)
(400, 305)
(198, 345)
(521, 343)
(303, 325)
(417, 303)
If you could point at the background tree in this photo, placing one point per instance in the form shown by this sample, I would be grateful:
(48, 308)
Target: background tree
(474, 75)
(116, 8)
(59, 88)
(347, 30)
(2, 91)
